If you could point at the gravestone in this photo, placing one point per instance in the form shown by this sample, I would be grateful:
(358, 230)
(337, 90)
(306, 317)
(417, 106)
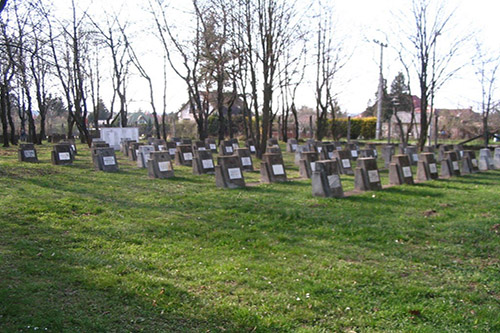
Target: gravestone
(211, 145)
(460, 150)
(203, 162)
(485, 162)
(373, 147)
(226, 148)
(298, 153)
(61, 154)
(186, 141)
(98, 143)
(177, 141)
(327, 152)
(449, 165)
(367, 153)
(56, 138)
(326, 180)
(427, 167)
(143, 153)
(272, 142)
(274, 150)
(27, 153)
(184, 155)
(308, 163)
(442, 150)
(104, 159)
(160, 165)
(291, 145)
(429, 149)
(171, 149)
(126, 144)
(412, 153)
(318, 145)
(338, 145)
(199, 145)
(234, 143)
(366, 176)
(496, 158)
(72, 144)
(228, 172)
(387, 152)
(114, 135)
(272, 169)
(353, 150)
(311, 145)
(400, 170)
(159, 144)
(133, 148)
(469, 162)
(251, 146)
(344, 159)
(245, 158)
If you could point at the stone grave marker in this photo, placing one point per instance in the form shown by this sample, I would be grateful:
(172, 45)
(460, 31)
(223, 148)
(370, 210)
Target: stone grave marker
(159, 144)
(400, 170)
(143, 155)
(496, 158)
(442, 150)
(311, 145)
(228, 172)
(203, 162)
(298, 153)
(326, 180)
(485, 162)
(308, 164)
(272, 142)
(366, 176)
(427, 167)
(125, 146)
(272, 169)
(211, 145)
(245, 159)
(460, 150)
(338, 145)
(367, 153)
(98, 143)
(429, 149)
(373, 147)
(353, 150)
(274, 150)
(171, 149)
(412, 153)
(199, 145)
(251, 146)
(226, 148)
(104, 159)
(133, 149)
(449, 165)
(184, 155)
(177, 141)
(160, 165)
(27, 153)
(186, 141)
(327, 153)
(387, 152)
(234, 142)
(72, 145)
(291, 145)
(61, 154)
(469, 162)
(345, 163)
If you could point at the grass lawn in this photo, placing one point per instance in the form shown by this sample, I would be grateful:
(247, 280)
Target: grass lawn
(87, 251)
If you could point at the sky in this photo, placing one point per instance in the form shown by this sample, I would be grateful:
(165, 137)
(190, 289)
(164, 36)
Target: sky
(359, 22)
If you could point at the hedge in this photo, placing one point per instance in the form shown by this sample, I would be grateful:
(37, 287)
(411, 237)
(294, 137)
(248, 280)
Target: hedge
(360, 128)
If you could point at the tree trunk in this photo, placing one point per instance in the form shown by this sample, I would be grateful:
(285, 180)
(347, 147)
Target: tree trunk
(3, 114)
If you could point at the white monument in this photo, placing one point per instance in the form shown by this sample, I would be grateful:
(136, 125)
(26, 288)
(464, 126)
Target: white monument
(114, 135)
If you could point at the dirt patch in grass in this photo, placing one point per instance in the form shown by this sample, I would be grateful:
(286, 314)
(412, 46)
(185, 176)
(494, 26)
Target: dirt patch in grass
(496, 228)
(24, 172)
(430, 212)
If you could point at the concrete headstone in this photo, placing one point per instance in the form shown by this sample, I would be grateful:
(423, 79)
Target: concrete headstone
(272, 169)
(326, 180)
(228, 172)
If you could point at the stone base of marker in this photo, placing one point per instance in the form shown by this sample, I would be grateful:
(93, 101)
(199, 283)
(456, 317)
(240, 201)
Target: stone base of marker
(485, 162)
(228, 173)
(272, 169)
(307, 164)
(245, 157)
(291, 145)
(104, 159)
(449, 165)
(427, 167)
(400, 171)
(27, 153)
(160, 165)
(326, 180)
(184, 155)
(203, 162)
(61, 155)
(366, 176)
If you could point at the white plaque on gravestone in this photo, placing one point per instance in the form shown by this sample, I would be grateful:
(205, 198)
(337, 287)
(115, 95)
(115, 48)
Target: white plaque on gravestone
(212, 146)
(461, 153)
(320, 149)
(235, 146)
(415, 157)
(407, 172)
(108, 160)
(346, 163)
(373, 176)
(177, 143)
(208, 164)
(73, 147)
(234, 173)
(161, 147)
(278, 169)
(334, 181)
(313, 166)
(171, 151)
(202, 148)
(188, 156)
(252, 149)
(375, 153)
(474, 163)
(455, 165)
(246, 161)
(433, 168)
(339, 148)
(29, 153)
(354, 153)
(330, 154)
(164, 166)
(64, 156)
(137, 153)
(294, 146)
(229, 149)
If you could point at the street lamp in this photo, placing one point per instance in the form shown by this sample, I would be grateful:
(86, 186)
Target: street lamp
(380, 90)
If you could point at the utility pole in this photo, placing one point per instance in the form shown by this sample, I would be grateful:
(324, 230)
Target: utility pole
(380, 91)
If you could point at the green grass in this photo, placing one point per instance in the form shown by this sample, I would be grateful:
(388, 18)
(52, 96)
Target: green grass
(87, 251)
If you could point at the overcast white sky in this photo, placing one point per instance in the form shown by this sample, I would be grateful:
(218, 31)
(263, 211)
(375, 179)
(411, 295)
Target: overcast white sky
(361, 21)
